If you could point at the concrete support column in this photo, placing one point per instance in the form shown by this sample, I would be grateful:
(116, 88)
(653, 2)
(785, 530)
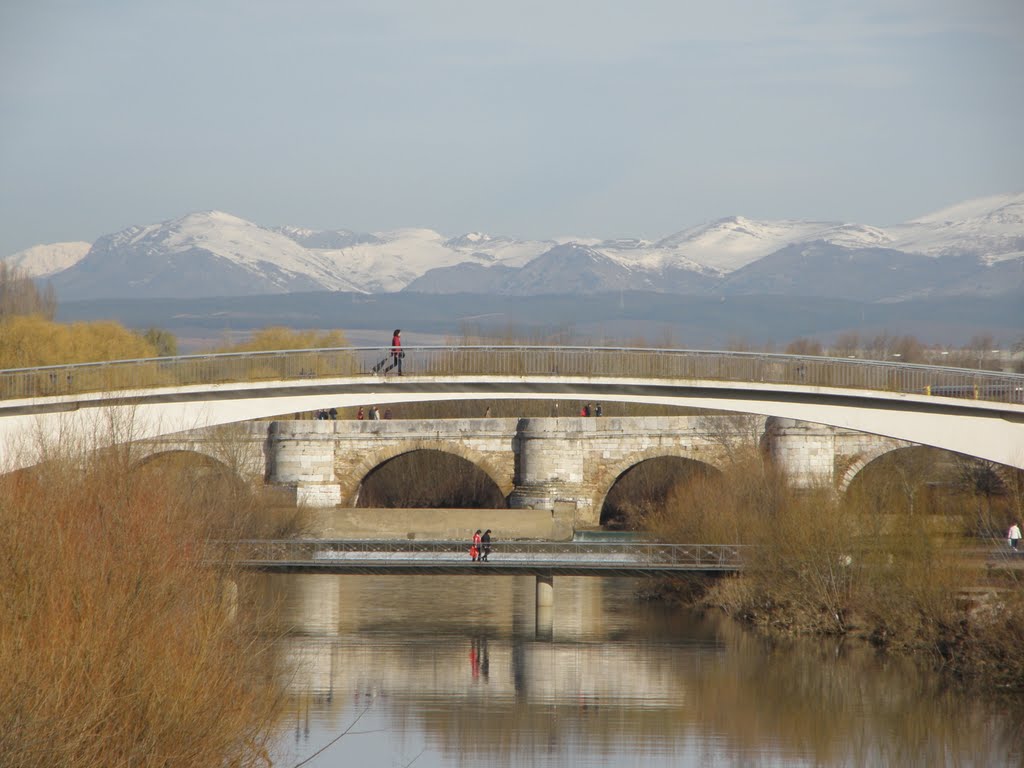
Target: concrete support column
(550, 467)
(300, 457)
(545, 606)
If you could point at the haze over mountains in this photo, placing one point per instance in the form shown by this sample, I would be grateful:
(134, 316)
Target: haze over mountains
(975, 248)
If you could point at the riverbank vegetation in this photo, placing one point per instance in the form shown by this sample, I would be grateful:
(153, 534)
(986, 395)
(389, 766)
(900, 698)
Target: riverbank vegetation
(125, 639)
(896, 563)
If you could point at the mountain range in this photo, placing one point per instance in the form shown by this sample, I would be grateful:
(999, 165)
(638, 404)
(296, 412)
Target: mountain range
(975, 248)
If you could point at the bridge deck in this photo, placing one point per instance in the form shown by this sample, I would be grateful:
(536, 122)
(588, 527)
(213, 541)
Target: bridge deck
(506, 558)
(308, 365)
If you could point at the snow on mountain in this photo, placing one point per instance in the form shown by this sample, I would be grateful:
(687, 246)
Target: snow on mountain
(214, 253)
(728, 244)
(45, 260)
(990, 228)
(202, 254)
(326, 239)
(499, 249)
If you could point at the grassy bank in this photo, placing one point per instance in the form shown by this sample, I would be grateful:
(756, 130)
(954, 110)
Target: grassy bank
(823, 565)
(120, 645)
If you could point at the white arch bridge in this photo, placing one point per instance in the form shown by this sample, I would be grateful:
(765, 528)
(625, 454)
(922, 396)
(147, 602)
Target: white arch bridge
(977, 413)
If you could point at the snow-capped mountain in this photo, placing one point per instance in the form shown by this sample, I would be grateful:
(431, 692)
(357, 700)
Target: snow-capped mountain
(990, 228)
(202, 254)
(953, 251)
(46, 260)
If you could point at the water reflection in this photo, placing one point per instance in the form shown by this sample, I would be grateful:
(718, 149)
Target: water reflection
(449, 671)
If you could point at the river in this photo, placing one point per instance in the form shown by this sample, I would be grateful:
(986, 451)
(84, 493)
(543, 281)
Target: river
(435, 672)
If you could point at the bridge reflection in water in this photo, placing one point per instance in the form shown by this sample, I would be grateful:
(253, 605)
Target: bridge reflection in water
(450, 668)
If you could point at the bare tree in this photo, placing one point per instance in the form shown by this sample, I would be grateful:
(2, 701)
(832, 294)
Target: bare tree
(804, 347)
(847, 345)
(19, 295)
(978, 479)
(737, 434)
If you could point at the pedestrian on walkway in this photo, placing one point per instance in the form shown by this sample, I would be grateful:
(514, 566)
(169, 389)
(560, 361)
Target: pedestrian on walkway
(475, 549)
(1013, 537)
(396, 352)
(485, 543)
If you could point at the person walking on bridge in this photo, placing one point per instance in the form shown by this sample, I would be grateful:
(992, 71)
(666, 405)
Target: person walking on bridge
(485, 544)
(475, 549)
(1013, 537)
(396, 352)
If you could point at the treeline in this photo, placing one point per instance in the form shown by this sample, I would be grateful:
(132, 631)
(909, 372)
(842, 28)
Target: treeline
(981, 352)
(30, 337)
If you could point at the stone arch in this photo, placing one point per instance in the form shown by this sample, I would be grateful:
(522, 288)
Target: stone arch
(610, 474)
(858, 462)
(196, 450)
(352, 481)
(202, 464)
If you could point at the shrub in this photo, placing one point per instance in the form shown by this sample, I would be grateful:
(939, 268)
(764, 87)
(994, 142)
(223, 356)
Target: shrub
(121, 644)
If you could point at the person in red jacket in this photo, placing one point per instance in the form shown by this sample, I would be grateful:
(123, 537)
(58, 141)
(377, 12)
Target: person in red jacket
(396, 352)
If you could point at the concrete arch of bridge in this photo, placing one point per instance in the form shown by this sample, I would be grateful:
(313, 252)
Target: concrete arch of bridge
(989, 430)
(352, 481)
(610, 474)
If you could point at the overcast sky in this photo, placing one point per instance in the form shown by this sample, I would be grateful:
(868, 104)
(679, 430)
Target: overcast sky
(534, 118)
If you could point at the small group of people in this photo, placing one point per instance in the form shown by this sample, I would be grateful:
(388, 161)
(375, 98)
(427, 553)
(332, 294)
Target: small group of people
(374, 413)
(1013, 537)
(324, 415)
(589, 410)
(480, 550)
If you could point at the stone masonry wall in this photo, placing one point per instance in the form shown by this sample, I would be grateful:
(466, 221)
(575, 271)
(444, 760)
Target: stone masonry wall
(537, 463)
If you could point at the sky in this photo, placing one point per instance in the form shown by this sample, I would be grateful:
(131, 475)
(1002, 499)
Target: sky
(533, 118)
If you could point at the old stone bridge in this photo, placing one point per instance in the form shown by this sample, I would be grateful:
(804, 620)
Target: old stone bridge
(535, 462)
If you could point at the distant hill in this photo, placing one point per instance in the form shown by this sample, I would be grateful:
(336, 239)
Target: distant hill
(975, 248)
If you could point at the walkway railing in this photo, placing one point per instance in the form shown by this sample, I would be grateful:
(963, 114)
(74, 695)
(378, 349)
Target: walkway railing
(592, 362)
(424, 556)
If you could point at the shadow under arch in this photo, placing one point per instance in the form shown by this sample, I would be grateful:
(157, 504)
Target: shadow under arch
(910, 478)
(200, 480)
(429, 478)
(182, 456)
(648, 482)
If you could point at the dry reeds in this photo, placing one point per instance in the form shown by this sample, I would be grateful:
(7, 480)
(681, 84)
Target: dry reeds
(120, 644)
(824, 566)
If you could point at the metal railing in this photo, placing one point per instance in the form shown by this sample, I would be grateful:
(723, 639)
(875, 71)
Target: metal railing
(547, 554)
(591, 362)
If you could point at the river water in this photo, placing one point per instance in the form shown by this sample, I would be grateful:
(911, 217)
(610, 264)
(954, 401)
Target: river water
(433, 672)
